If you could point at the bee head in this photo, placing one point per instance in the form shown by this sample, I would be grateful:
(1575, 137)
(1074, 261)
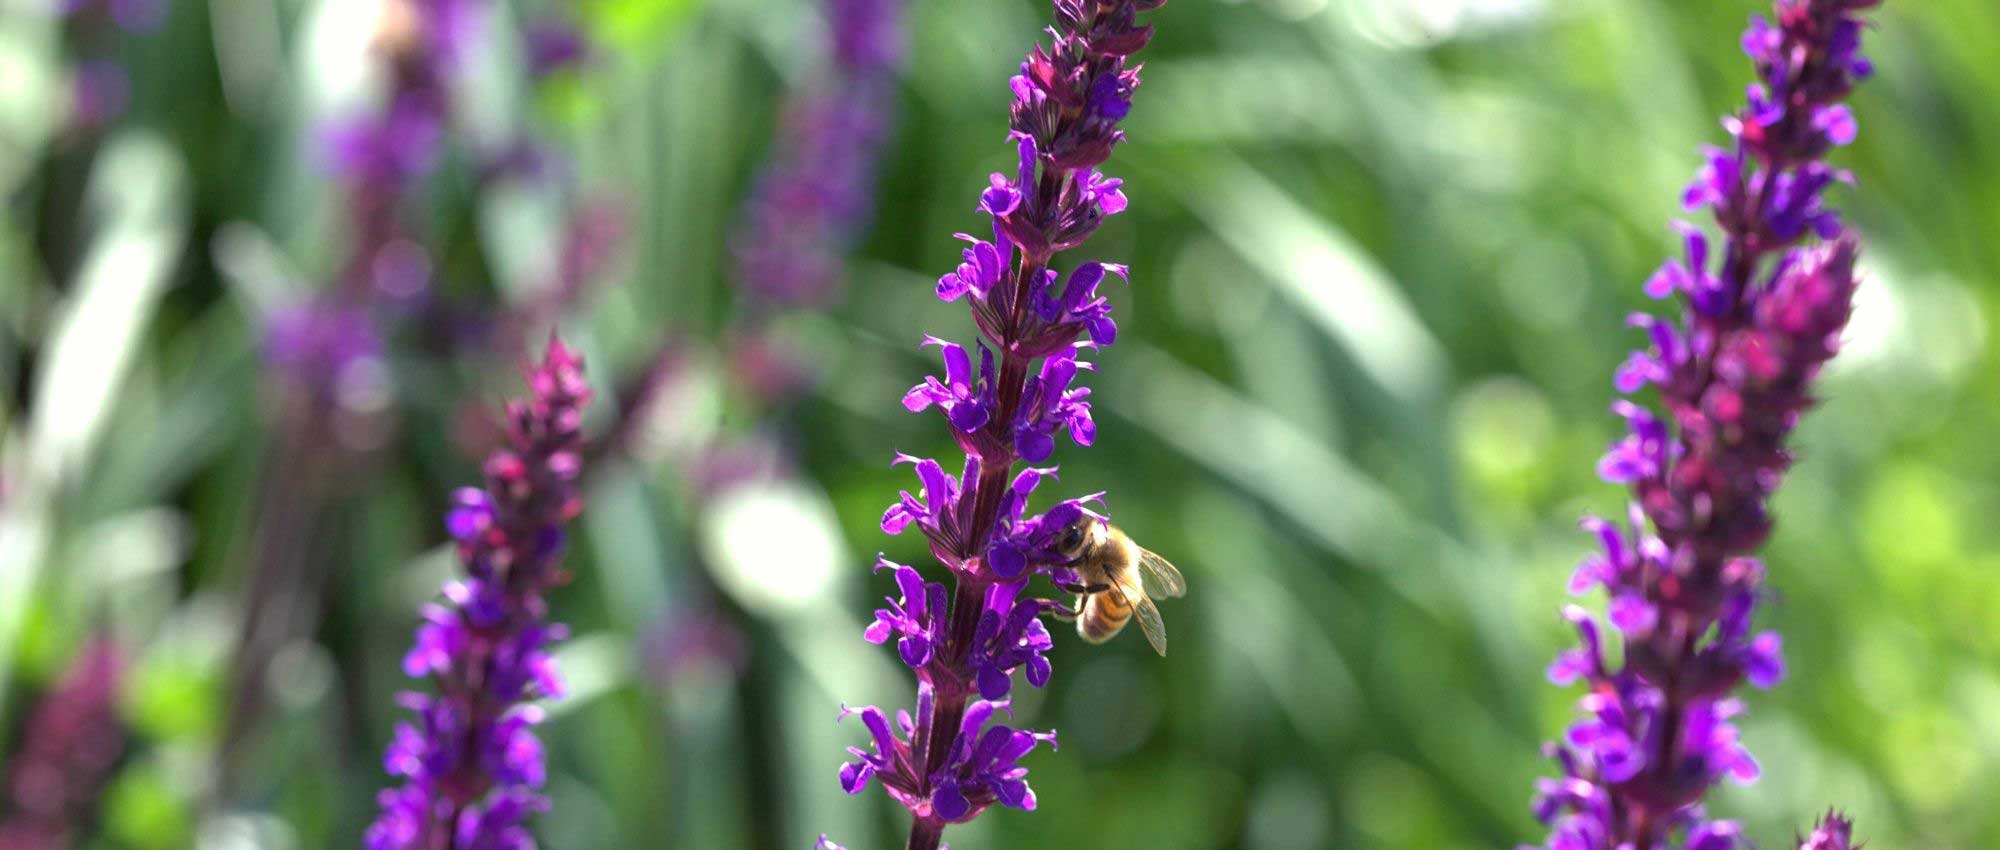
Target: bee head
(1070, 544)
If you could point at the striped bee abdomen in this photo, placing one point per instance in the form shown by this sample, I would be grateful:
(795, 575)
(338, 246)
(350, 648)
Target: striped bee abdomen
(1104, 615)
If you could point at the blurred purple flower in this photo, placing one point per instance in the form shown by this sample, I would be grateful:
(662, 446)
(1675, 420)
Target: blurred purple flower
(865, 34)
(329, 367)
(99, 93)
(816, 194)
(693, 639)
(129, 15)
(398, 144)
(71, 742)
(768, 365)
(328, 350)
(1763, 315)
(553, 45)
(380, 153)
(470, 761)
(1004, 399)
(318, 346)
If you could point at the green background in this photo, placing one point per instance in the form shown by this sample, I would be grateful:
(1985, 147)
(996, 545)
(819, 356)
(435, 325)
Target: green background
(1382, 251)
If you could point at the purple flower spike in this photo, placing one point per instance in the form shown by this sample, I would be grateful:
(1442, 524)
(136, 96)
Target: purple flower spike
(1762, 313)
(950, 761)
(469, 758)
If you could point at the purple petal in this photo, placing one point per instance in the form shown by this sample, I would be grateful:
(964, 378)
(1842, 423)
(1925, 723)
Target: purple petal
(948, 802)
(994, 683)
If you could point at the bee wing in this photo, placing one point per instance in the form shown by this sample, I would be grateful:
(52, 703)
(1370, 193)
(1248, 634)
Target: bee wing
(1162, 579)
(1148, 616)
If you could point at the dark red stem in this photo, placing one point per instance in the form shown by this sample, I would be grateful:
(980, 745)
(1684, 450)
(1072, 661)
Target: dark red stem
(926, 834)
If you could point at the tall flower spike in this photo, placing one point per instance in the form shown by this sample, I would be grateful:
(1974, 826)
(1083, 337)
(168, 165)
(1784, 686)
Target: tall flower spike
(469, 759)
(1763, 313)
(1004, 399)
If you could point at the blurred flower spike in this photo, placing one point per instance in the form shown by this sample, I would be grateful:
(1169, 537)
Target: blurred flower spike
(67, 752)
(816, 195)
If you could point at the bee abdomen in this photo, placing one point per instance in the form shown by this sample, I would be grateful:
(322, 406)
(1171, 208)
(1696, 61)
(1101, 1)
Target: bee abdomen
(1104, 615)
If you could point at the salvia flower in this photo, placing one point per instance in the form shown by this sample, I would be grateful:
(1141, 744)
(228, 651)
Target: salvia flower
(469, 759)
(1005, 398)
(1764, 310)
(915, 620)
(1833, 832)
(967, 400)
(981, 768)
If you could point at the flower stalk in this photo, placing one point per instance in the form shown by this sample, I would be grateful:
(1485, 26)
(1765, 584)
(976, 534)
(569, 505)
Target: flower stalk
(470, 762)
(1004, 401)
(1761, 317)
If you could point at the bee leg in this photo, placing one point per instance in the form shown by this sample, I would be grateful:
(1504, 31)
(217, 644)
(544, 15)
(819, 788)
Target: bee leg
(1064, 612)
(1083, 589)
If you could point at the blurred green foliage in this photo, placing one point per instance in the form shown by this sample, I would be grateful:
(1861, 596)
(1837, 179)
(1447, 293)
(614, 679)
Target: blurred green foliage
(1382, 251)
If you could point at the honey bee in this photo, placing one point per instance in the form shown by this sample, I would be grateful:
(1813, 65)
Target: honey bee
(1120, 580)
